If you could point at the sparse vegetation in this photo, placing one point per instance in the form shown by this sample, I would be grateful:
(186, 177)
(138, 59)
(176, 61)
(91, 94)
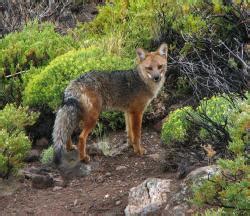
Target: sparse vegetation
(47, 156)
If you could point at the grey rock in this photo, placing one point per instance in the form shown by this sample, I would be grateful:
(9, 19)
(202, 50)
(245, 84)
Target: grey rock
(179, 210)
(148, 197)
(197, 175)
(71, 167)
(178, 204)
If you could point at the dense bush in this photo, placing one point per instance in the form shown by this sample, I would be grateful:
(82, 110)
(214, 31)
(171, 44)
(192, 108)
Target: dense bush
(228, 190)
(14, 144)
(35, 45)
(206, 43)
(28, 50)
(215, 110)
(121, 26)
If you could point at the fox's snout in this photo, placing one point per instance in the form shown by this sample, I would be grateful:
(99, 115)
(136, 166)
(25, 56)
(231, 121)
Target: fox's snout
(153, 64)
(157, 78)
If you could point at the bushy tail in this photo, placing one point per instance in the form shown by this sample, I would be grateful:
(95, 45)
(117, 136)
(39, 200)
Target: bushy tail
(67, 119)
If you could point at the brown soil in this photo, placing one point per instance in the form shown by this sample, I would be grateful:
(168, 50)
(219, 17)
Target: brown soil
(103, 192)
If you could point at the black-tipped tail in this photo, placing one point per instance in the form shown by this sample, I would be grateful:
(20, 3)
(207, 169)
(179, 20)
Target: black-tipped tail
(58, 156)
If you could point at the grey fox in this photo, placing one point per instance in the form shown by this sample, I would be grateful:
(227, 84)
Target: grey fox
(127, 91)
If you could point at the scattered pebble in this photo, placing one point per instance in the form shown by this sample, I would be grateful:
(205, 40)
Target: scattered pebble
(108, 174)
(120, 168)
(118, 202)
(106, 196)
(56, 188)
(75, 202)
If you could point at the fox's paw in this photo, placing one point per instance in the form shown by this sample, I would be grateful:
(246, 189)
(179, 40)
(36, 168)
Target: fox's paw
(85, 159)
(140, 151)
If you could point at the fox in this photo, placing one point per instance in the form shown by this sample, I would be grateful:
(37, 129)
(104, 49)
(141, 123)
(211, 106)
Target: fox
(129, 91)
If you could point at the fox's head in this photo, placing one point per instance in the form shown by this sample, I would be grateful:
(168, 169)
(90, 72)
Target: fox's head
(153, 65)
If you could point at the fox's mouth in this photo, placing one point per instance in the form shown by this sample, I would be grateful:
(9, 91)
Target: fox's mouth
(154, 78)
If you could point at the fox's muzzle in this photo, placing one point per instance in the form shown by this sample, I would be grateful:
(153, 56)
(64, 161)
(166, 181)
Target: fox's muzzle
(156, 78)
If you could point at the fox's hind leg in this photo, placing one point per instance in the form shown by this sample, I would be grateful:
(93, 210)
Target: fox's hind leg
(92, 109)
(136, 121)
(89, 124)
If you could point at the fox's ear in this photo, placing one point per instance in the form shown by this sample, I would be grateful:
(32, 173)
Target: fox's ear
(141, 54)
(163, 50)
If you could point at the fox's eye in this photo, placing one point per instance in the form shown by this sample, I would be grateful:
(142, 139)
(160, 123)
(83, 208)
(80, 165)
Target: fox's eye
(149, 68)
(159, 67)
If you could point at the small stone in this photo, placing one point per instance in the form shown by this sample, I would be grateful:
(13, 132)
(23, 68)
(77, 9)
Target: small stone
(118, 202)
(108, 174)
(120, 168)
(75, 202)
(42, 181)
(56, 188)
(106, 196)
(29, 211)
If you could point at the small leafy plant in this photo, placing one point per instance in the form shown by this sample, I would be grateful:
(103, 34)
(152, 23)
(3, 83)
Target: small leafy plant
(14, 144)
(47, 156)
(176, 126)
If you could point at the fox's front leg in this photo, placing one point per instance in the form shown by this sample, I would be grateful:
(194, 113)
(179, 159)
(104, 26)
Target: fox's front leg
(136, 121)
(129, 128)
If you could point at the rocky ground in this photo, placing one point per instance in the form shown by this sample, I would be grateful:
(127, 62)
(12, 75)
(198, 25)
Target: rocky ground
(106, 188)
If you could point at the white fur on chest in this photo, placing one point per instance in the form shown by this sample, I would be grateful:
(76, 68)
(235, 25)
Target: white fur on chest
(155, 90)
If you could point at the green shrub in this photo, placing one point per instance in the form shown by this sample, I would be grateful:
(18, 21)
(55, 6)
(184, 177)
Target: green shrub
(14, 144)
(230, 189)
(47, 87)
(121, 26)
(33, 47)
(217, 108)
(36, 45)
(176, 126)
(239, 128)
(47, 155)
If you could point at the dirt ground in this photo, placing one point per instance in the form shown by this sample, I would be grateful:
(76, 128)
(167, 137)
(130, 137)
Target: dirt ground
(103, 192)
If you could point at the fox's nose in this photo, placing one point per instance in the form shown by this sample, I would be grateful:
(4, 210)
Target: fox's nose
(156, 78)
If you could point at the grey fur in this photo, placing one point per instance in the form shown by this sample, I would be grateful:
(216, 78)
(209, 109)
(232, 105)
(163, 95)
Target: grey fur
(67, 119)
